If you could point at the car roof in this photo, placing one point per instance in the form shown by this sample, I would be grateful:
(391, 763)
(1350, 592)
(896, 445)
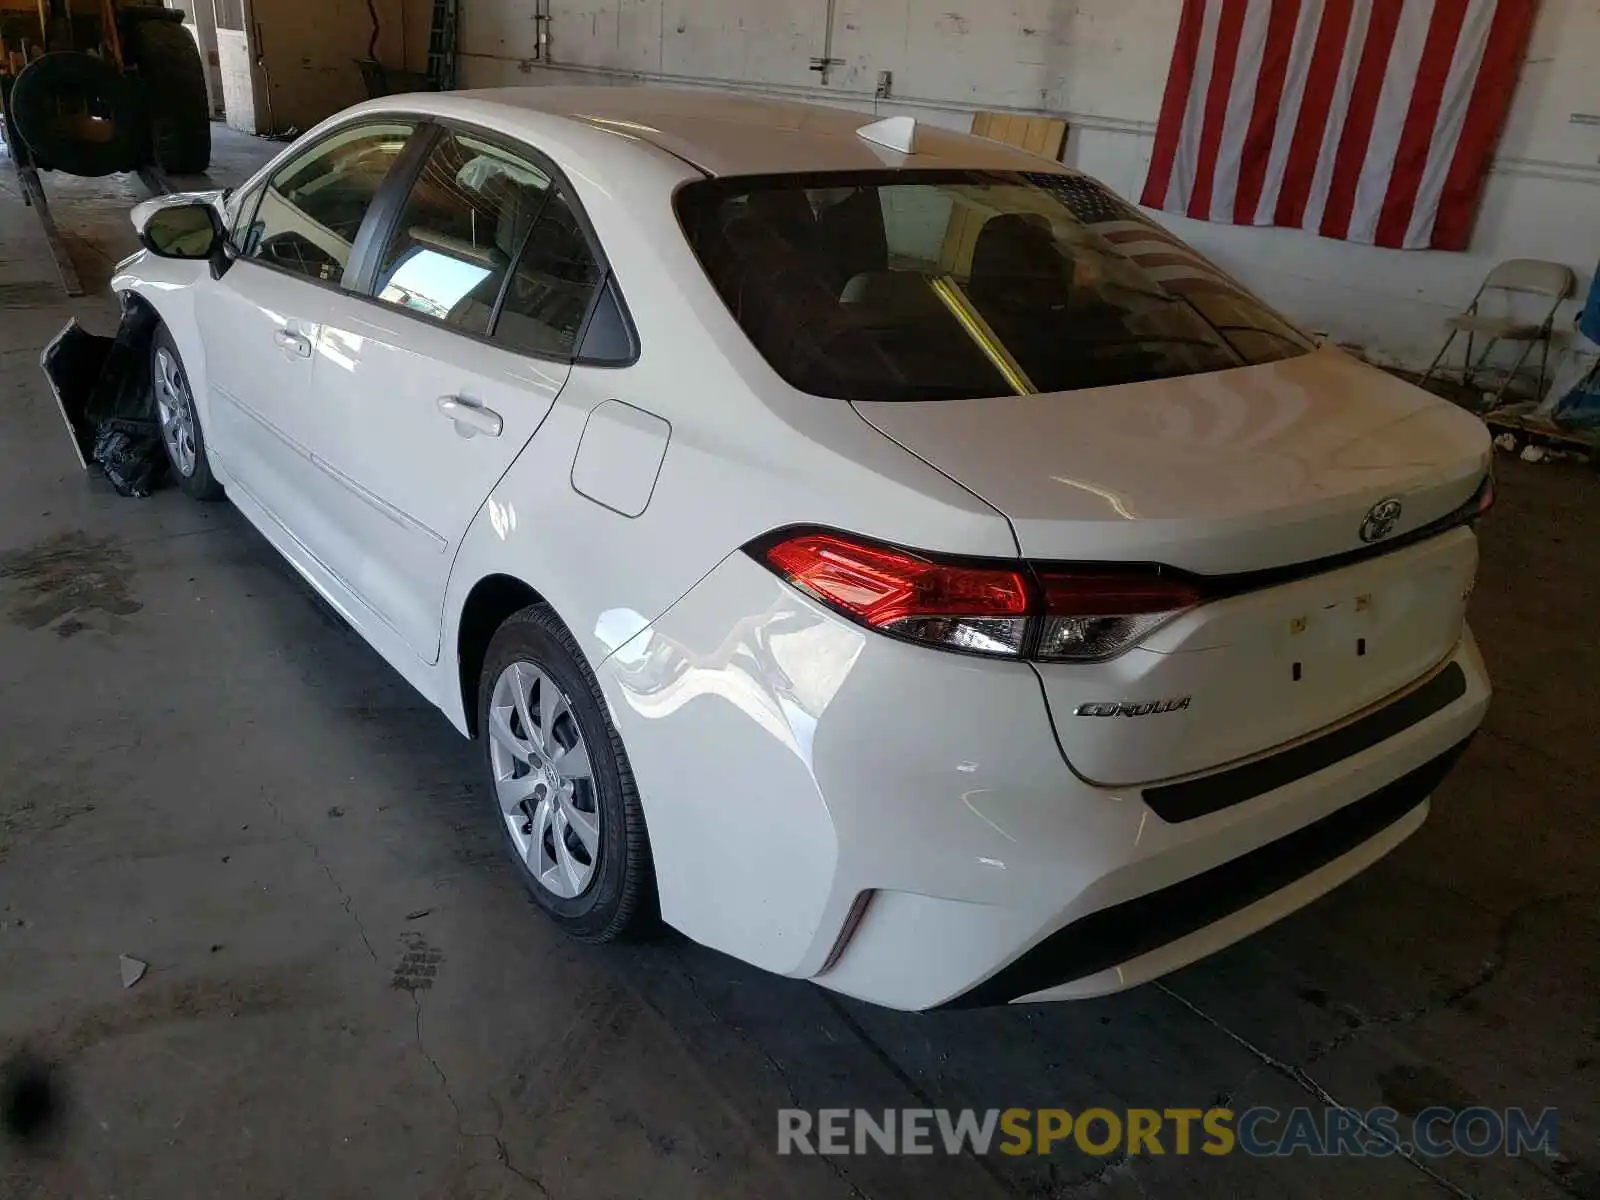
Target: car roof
(727, 134)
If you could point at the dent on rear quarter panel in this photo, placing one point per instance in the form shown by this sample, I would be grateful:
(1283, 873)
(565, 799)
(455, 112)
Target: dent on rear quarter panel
(744, 665)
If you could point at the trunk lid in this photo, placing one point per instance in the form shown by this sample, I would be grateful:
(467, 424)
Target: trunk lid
(1237, 471)
(1264, 668)
(1219, 473)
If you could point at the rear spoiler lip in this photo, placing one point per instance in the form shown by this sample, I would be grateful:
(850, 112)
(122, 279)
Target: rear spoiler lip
(1252, 581)
(1211, 587)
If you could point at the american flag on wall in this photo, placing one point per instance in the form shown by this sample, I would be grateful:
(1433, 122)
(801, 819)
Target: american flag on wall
(1162, 257)
(1367, 120)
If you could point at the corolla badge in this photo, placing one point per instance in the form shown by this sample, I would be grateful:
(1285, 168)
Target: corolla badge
(1380, 520)
(1129, 708)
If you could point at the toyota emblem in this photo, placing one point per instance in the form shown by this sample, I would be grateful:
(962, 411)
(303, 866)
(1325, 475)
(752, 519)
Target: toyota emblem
(1380, 520)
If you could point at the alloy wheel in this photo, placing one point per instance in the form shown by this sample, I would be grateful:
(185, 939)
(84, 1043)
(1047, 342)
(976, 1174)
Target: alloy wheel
(175, 407)
(543, 779)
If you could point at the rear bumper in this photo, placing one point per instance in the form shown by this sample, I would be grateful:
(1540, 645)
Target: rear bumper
(1178, 891)
(899, 825)
(1139, 939)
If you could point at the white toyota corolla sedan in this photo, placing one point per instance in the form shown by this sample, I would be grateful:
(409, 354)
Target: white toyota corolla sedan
(883, 553)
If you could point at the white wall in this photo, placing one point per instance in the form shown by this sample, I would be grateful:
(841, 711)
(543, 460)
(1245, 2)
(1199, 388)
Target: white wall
(200, 20)
(1103, 65)
(235, 66)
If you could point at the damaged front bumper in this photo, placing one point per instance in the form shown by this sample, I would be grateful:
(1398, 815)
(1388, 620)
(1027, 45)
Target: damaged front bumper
(102, 389)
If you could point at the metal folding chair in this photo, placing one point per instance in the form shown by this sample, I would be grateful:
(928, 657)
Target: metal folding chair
(1517, 276)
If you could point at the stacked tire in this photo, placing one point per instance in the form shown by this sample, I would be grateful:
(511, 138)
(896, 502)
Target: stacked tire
(51, 94)
(81, 114)
(173, 81)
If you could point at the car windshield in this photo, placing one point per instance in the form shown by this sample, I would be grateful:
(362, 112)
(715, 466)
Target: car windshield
(927, 285)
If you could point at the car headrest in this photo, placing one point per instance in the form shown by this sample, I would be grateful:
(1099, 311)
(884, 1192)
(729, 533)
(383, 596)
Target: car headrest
(1016, 245)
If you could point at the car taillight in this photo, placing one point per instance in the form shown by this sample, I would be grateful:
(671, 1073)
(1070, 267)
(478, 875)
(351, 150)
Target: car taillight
(979, 609)
(1090, 616)
(1056, 615)
(1486, 495)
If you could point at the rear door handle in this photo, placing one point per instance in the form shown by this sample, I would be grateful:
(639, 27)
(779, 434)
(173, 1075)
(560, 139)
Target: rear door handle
(296, 342)
(471, 418)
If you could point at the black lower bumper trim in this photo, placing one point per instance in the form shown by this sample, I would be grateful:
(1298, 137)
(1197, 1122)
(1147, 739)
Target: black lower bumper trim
(1125, 931)
(1210, 793)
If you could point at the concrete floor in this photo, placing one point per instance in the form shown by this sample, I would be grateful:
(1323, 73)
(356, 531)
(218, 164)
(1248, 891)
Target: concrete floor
(349, 995)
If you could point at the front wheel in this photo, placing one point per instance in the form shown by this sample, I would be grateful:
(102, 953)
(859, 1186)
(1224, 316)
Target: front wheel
(180, 420)
(563, 792)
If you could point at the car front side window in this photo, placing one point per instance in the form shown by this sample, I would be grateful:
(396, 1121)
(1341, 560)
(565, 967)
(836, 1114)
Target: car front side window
(311, 209)
(244, 215)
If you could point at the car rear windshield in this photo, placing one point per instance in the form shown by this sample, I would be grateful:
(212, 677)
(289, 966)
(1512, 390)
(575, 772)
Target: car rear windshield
(928, 285)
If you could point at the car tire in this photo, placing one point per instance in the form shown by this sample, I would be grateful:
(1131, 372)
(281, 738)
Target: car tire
(181, 436)
(174, 83)
(595, 894)
(66, 76)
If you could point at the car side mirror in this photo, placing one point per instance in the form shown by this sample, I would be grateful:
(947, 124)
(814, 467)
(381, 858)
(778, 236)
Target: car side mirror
(187, 231)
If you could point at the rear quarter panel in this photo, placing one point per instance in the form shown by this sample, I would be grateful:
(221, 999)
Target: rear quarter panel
(746, 453)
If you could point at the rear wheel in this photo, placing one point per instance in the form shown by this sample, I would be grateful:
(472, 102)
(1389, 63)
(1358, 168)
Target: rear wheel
(180, 420)
(174, 84)
(563, 793)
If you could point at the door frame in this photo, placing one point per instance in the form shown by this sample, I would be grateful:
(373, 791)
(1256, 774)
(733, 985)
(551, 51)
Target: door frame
(360, 276)
(387, 200)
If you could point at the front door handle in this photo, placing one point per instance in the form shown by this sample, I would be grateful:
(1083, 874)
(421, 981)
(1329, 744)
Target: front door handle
(470, 417)
(298, 343)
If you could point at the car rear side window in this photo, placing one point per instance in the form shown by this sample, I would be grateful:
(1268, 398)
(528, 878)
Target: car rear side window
(462, 226)
(553, 286)
(921, 285)
(312, 209)
(609, 339)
